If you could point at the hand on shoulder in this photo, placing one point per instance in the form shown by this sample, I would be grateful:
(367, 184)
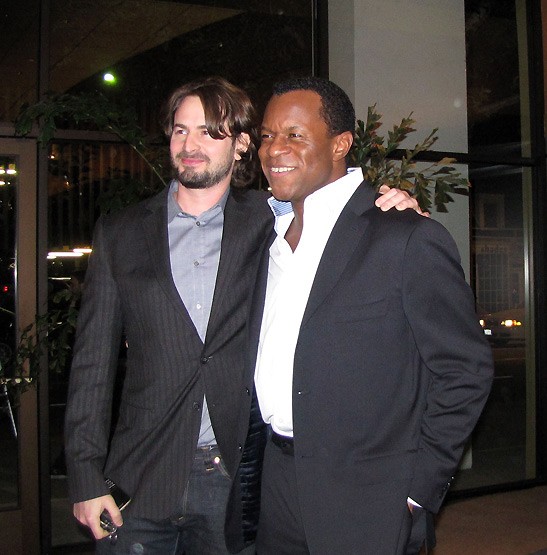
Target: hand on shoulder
(398, 199)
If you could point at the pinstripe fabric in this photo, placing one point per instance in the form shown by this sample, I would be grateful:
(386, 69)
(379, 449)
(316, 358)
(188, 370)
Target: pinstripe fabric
(129, 289)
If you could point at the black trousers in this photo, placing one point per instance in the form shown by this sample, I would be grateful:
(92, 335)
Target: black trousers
(280, 528)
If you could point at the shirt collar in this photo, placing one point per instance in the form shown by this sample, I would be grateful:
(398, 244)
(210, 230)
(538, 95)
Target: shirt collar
(352, 179)
(173, 208)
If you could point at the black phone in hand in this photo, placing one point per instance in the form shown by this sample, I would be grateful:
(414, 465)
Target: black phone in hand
(120, 498)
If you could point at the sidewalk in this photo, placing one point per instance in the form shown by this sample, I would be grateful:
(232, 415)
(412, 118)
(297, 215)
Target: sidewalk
(512, 523)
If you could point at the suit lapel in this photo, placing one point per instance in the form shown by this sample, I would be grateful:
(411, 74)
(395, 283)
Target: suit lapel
(235, 240)
(155, 229)
(346, 235)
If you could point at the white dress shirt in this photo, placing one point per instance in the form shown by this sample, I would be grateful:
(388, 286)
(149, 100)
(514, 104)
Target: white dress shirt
(290, 278)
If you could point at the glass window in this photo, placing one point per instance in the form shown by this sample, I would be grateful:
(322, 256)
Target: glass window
(503, 446)
(94, 47)
(9, 461)
(19, 59)
(496, 76)
(501, 451)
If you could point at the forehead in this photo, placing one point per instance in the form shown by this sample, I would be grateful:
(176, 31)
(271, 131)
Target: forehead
(294, 109)
(190, 110)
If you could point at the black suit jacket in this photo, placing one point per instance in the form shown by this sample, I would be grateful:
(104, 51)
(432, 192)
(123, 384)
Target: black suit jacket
(130, 290)
(391, 372)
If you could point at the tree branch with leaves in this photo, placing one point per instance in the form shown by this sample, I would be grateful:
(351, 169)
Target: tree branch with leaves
(432, 185)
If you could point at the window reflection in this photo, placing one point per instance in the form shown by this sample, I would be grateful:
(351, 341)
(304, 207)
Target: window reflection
(493, 78)
(499, 449)
(9, 494)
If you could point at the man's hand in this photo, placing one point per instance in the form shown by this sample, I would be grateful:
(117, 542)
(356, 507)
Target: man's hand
(88, 513)
(401, 200)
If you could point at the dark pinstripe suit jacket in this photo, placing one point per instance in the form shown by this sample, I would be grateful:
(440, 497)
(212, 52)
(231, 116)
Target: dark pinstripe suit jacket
(130, 290)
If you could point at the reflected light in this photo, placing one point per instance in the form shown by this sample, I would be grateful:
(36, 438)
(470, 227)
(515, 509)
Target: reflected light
(511, 323)
(63, 254)
(74, 253)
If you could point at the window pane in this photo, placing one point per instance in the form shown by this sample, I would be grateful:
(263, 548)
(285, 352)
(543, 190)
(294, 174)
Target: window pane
(19, 59)
(501, 452)
(251, 44)
(9, 491)
(497, 82)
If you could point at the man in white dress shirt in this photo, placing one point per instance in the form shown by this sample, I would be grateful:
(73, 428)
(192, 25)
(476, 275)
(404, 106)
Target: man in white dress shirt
(371, 366)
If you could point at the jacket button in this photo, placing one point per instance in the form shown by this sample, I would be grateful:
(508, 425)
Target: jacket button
(196, 406)
(204, 360)
(239, 448)
(247, 391)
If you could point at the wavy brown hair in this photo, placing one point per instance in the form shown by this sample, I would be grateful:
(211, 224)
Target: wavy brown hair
(228, 113)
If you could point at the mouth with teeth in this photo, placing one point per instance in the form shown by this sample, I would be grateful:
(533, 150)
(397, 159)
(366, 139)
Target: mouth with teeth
(283, 169)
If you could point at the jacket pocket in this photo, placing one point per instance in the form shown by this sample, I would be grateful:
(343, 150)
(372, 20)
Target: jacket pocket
(133, 416)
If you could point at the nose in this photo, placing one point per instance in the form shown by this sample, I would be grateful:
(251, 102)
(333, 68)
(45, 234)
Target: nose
(191, 142)
(276, 146)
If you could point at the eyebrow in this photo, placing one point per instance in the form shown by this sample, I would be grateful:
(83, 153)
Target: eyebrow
(183, 126)
(292, 128)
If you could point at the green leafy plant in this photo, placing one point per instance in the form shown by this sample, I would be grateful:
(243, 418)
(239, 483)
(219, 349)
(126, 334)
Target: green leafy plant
(432, 185)
(51, 333)
(91, 111)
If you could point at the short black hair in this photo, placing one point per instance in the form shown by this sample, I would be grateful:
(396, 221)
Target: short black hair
(336, 108)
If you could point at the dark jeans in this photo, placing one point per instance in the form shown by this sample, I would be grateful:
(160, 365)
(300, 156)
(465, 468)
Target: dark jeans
(195, 528)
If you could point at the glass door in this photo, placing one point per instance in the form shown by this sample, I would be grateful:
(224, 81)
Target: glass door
(19, 518)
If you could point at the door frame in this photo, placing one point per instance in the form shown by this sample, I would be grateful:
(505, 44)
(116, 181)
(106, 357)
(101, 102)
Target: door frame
(20, 527)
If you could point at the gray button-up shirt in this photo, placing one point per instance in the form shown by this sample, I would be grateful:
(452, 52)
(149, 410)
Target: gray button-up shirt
(194, 250)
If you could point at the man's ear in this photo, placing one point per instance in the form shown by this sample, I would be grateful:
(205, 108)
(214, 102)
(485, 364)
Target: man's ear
(341, 146)
(242, 145)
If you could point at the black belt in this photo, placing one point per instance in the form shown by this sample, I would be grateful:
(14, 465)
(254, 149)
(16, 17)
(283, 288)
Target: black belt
(286, 444)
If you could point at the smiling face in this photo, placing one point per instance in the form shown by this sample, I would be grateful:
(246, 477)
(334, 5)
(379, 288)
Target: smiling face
(199, 160)
(297, 153)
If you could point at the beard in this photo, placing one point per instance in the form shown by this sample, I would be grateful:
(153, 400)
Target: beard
(192, 179)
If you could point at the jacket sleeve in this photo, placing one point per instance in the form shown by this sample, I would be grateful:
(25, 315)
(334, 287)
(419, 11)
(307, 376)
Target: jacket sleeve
(92, 376)
(440, 308)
